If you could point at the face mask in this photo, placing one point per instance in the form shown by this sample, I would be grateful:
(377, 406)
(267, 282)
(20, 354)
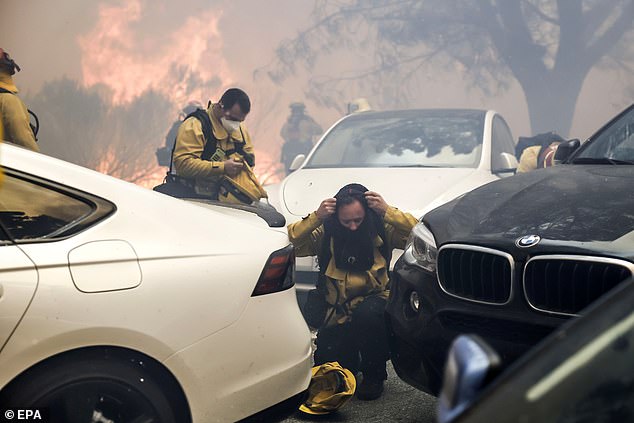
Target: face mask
(230, 125)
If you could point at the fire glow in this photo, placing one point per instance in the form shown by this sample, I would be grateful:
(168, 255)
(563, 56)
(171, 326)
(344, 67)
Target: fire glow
(182, 63)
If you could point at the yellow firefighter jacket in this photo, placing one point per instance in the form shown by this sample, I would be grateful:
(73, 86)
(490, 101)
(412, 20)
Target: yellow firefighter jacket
(14, 116)
(189, 146)
(352, 287)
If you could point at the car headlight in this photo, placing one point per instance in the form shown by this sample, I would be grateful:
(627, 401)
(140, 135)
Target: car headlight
(422, 247)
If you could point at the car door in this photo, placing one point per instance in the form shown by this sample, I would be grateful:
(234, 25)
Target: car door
(35, 212)
(18, 281)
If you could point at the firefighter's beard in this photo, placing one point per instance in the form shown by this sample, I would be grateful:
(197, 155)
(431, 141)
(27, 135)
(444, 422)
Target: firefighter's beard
(354, 250)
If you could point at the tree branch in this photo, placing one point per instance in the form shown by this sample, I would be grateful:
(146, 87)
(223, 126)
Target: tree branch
(613, 34)
(545, 17)
(513, 39)
(594, 17)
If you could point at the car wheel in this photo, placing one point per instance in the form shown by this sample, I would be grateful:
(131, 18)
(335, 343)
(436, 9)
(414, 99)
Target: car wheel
(93, 388)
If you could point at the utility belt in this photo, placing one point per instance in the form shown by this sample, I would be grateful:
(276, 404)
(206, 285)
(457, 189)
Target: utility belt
(172, 178)
(180, 187)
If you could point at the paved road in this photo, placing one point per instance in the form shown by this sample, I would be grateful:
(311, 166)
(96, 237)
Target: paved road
(399, 403)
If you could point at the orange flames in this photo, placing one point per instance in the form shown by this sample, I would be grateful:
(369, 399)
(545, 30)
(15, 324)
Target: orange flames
(117, 55)
(182, 64)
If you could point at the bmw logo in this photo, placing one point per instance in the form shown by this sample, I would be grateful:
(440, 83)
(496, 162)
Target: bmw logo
(527, 241)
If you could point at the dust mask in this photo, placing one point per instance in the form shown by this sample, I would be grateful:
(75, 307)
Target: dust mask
(230, 125)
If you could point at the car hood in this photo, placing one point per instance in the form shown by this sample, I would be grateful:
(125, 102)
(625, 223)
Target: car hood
(412, 189)
(566, 203)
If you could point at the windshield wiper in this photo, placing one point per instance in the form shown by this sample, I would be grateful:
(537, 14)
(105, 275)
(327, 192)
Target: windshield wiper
(600, 160)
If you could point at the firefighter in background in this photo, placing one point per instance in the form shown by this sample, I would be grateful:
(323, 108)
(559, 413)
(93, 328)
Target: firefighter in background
(537, 152)
(298, 134)
(164, 154)
(233, 144)
(14, 116)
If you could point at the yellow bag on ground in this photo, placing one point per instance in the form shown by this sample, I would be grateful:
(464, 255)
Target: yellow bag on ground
(331, 386)
(244, 188)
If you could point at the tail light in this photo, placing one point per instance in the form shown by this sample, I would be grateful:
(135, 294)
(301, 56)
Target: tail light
(277, 274)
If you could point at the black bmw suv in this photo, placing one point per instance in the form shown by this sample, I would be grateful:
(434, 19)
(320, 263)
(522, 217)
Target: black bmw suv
(512, 260)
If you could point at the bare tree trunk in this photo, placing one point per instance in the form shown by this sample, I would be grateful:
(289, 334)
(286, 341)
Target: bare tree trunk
(552, 100)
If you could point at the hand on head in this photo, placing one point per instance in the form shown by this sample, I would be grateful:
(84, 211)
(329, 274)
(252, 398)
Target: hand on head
(376, 202)
(326, 208)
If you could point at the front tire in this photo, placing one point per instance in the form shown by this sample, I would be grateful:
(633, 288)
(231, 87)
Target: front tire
(94, 386)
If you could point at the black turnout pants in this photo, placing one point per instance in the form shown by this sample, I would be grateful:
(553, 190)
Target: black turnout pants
(359, 345)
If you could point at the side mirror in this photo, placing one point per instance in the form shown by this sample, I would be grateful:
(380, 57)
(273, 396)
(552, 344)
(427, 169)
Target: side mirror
(471, 364)
(297, 162)
(565, 150)
(506, 163)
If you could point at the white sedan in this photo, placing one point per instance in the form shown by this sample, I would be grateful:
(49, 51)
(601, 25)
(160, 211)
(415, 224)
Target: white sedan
(120, 304)
(417, 159)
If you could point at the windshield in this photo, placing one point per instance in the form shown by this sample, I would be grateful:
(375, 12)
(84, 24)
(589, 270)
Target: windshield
(404, 139)
(616, 142)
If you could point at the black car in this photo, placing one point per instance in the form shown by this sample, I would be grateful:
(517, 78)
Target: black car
(512, 260)
(582, 373)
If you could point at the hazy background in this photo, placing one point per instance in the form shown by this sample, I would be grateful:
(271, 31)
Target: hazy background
(108, 77)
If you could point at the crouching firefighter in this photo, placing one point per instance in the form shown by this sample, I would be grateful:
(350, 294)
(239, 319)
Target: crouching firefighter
(353, 235)
(213, 147)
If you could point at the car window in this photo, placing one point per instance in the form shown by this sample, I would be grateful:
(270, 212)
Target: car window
(596, 383)
(583, 374)
(501, 142)
(614, 142)
(405, 140)
(30, 210)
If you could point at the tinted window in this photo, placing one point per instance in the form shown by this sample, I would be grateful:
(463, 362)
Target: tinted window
(596, 383)
(29, 210)
(408, 139)
(583, 374)
(614, 142)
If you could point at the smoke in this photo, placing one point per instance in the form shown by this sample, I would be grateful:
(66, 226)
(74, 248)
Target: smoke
(82, 126)
(122, 53)
(128, 52)
(137, 47)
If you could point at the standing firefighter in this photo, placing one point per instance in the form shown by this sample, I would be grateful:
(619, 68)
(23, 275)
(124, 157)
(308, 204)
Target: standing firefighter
(298, 133)
(207, 170)
(353, 235)
(14, 116)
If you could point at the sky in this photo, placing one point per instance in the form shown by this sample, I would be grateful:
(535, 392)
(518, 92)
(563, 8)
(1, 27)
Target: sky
(194, 49)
